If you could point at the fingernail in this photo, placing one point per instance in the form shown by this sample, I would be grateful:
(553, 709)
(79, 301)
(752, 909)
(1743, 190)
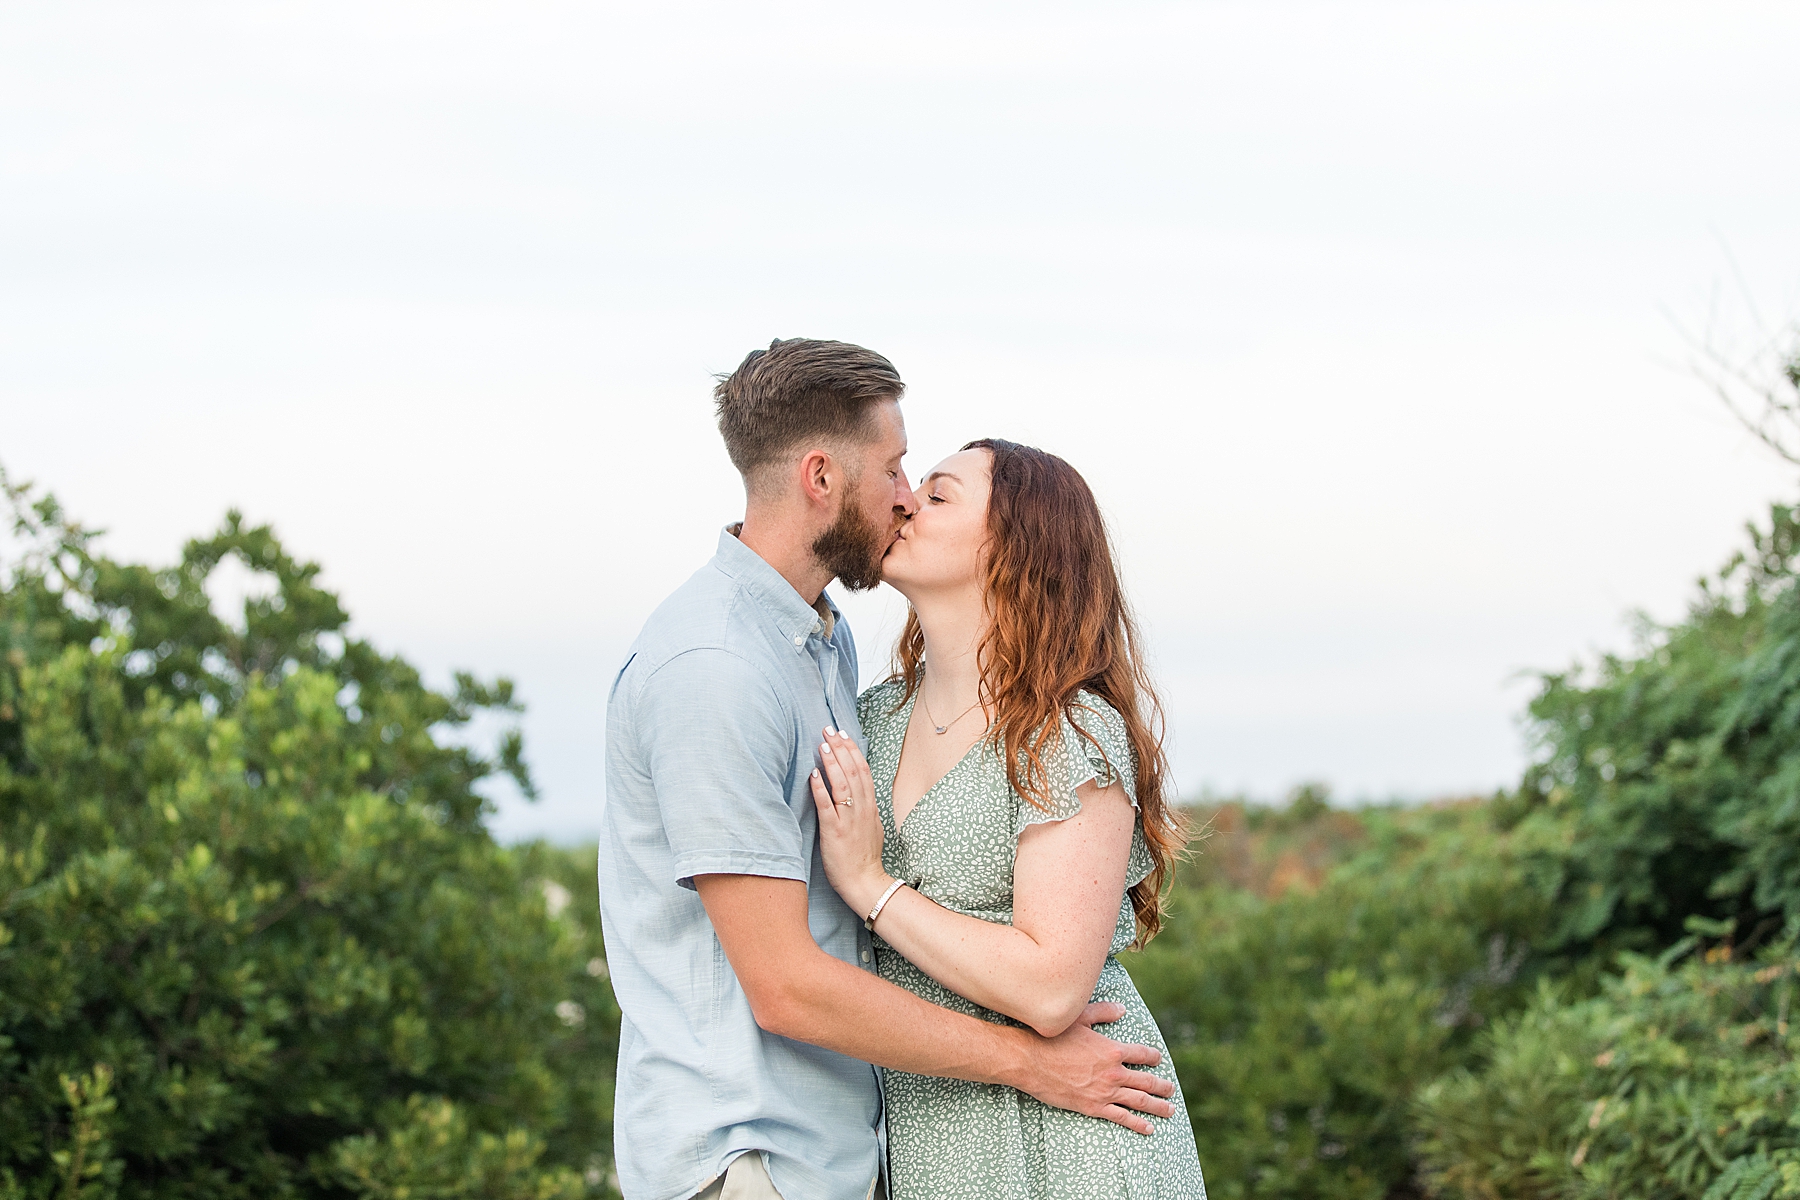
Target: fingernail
(824, 748)
(815, 772)
(830, 732)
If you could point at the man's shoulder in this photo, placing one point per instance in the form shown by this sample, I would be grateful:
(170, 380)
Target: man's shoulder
(701, 627)
(693, 616)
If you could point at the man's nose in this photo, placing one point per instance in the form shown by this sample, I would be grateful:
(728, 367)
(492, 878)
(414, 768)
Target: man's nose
(904, 499)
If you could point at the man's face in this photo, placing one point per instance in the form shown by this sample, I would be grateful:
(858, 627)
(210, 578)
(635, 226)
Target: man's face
(877, 501)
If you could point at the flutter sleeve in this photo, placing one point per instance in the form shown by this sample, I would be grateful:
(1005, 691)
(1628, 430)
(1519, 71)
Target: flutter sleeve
(878, 704)
(1093, 747)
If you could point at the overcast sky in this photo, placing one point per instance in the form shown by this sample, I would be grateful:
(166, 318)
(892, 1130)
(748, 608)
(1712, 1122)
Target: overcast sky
(1360, 318)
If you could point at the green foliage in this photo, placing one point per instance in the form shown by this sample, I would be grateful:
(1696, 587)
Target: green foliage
(1669, 784)
(1303, 1019)
(1329, 981)
(254, 939)
(1675, 1081)
(433, 1154)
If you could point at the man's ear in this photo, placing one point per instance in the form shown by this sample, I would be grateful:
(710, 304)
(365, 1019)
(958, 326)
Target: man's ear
(820, 477)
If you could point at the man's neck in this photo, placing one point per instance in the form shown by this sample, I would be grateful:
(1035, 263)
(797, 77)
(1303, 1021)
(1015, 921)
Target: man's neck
(785, 546)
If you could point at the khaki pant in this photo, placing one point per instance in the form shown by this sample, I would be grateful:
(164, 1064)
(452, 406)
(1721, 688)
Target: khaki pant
(748, 1179)
(745, 1179)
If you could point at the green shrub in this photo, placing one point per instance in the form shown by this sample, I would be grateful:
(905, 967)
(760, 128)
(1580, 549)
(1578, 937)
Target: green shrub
(1325, 967)
(1675, 1081)
(1302, 1023)
(254, 939)
(1669, 781)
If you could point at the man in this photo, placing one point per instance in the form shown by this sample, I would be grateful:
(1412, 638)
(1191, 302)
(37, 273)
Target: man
(751, 1007)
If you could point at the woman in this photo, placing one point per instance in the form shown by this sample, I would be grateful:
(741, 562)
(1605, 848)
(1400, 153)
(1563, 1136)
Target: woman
(1008, 831)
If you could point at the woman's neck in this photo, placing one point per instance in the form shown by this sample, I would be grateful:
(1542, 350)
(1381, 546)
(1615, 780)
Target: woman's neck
(953, 627)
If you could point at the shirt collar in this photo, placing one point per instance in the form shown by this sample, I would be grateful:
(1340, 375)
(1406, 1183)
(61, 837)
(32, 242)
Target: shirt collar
(794, 617)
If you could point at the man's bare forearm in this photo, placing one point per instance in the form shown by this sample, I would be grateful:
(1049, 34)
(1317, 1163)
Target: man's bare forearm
(857, 1014)
(798, 991)
(842, 1008)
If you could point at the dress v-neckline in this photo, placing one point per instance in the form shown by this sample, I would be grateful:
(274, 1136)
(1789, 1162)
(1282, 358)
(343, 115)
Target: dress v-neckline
(905, 727)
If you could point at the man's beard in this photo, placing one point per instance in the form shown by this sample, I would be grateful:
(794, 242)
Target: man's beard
(852, 549)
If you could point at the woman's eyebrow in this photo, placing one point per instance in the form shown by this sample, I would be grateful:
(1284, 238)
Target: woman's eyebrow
(942, 475)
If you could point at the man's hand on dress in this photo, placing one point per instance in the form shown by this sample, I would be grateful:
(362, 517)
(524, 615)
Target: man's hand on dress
(1087, 1072)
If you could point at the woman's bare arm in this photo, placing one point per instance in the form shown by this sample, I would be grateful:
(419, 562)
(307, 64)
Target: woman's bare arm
(1068, 882)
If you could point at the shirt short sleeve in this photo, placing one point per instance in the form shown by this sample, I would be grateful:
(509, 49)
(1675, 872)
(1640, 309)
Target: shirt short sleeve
(720, 747)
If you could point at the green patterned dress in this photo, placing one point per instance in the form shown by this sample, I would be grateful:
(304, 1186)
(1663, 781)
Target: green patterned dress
(953, 1140)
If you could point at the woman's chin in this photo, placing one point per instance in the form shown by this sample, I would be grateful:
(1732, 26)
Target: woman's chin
(893, 567)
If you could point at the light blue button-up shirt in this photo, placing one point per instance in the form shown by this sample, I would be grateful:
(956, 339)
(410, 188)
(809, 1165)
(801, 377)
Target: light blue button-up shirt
(712, 731)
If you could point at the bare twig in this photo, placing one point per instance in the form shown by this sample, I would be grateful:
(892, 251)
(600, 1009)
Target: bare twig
(1761, 388)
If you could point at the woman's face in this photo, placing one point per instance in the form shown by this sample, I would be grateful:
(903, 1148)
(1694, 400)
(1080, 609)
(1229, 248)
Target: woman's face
(940, 549)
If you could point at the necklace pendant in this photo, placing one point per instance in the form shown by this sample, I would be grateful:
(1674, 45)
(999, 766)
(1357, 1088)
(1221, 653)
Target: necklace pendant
(941, 728)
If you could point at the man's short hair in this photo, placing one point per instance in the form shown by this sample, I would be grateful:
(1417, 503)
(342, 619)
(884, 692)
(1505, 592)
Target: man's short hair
(796, 391)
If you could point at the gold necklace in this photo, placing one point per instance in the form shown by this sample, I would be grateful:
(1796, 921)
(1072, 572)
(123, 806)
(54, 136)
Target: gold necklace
(945, 728)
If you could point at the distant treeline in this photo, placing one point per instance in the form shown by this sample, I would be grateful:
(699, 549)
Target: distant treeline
(256, 942)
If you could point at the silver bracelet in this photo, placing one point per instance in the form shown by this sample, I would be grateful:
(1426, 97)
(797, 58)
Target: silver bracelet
(869, 921)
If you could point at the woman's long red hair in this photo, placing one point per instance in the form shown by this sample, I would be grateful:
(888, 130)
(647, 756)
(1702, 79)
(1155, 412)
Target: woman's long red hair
(1061, 624)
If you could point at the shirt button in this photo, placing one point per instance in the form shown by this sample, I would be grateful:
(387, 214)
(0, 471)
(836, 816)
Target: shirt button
(800, 640)
(865, 954)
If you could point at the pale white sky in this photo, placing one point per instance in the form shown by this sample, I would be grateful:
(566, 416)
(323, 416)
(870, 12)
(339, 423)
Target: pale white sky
(1353, 314)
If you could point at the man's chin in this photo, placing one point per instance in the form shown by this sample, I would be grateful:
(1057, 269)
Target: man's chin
(865, 579)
